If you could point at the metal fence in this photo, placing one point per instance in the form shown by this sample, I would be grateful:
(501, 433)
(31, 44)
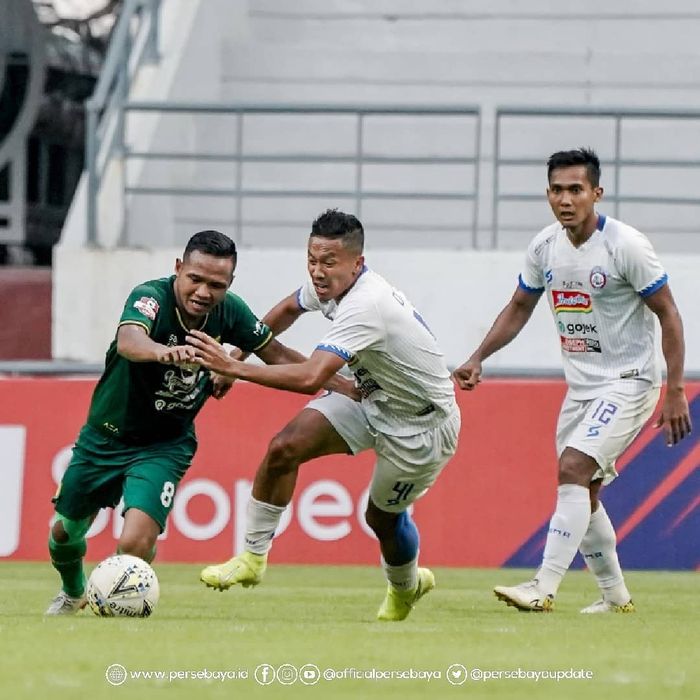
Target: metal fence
(648, 157)
(433, 176)
(354, 162)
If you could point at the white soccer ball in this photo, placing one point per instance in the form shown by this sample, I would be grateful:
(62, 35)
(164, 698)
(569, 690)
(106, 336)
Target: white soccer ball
(123, 586)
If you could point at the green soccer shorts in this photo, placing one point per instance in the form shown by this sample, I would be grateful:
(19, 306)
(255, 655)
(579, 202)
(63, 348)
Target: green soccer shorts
(103, 470)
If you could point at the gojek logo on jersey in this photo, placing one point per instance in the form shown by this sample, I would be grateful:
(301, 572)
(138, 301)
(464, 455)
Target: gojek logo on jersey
(569, 300)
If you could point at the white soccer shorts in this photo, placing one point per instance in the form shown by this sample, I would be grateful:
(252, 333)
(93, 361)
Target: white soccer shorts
(604, 427)
(406, 466)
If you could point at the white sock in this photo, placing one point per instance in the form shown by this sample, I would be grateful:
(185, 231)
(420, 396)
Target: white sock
(403, 577)
(598, 549)
(262, 521)
(566, 530)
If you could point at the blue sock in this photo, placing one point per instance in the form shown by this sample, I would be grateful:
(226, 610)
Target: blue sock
(407, 539)
(403, 574)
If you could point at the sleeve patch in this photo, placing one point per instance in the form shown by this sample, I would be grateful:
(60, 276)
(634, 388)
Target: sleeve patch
(147, 306)
(264, 342)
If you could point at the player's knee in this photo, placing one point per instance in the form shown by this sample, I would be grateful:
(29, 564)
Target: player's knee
(575, 469)
(284, 452)
(58, 532)
(139, 545)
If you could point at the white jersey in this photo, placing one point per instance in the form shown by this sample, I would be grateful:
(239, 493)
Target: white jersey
(399, 369)
(596, 296)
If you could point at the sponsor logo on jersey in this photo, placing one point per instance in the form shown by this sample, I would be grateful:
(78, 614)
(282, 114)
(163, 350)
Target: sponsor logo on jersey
(260, 328)
(548, 277)
(541, 246)
(565, 300)
(365, 383)
(572, 328)
(148, 306)
(598, 278)
(572, 284)
(579, 344)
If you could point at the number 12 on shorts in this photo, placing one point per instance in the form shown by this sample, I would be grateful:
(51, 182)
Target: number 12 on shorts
(603, 414)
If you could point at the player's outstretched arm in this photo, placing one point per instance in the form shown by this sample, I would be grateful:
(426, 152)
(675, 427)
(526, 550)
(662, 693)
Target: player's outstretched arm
(675, 414)
(305, 378)
(506, 326)
(276, 353)
(134, 344)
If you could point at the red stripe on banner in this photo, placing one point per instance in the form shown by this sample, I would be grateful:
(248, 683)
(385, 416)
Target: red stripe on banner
(684, 468)
(684, 514)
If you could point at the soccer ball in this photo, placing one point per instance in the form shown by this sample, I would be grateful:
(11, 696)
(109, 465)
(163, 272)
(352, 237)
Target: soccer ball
(123, 586)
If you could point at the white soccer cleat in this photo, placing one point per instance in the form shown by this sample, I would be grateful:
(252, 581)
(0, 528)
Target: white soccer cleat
(605, 606)
(525, 596)
(64, 604)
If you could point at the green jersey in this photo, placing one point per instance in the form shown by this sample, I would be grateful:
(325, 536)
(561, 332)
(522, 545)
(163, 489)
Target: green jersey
(141, 403)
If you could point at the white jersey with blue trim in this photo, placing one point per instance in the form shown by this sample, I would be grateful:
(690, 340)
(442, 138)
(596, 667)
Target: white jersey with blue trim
(596, 295)
(399, 368)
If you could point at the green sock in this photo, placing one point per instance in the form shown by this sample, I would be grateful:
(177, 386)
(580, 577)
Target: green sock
(67, 559)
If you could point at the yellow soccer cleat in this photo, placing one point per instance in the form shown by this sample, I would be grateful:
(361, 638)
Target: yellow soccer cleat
(247, 569)
(398, 604)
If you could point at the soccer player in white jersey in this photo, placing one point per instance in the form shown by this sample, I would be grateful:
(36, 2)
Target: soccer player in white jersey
(604, 284)
(406, 411)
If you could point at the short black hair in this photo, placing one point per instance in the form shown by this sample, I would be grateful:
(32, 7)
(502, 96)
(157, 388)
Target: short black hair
(337, 225)
(212, 243)
(578, 156)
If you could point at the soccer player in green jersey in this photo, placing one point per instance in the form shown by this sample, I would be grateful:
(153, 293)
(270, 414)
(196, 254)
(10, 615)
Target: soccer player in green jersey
(139, 438)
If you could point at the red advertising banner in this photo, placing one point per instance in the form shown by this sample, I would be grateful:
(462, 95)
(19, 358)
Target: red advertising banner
(497, 491)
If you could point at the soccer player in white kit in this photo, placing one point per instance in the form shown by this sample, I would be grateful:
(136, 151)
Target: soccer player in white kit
(604, 284)
(406, 409)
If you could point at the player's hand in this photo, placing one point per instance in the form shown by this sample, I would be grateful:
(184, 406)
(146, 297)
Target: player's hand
(220, 385)
(180, 355)
(344, 386)
(675, 417)
(468, 375)
(211, 354)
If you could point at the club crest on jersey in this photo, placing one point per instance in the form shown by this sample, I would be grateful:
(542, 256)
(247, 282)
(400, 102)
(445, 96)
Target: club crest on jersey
(148, 306)
(598, 278)
(569, 300)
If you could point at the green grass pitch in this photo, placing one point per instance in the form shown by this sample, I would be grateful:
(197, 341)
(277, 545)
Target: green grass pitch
(325, 616)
